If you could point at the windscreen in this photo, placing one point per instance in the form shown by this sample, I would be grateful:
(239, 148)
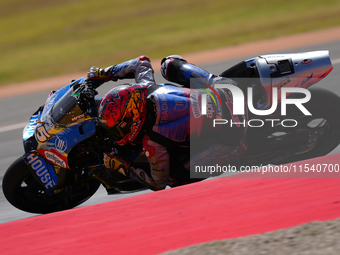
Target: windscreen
(66, 109)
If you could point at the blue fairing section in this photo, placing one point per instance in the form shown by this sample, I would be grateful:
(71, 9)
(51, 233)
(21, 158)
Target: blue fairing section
(42, 170)
(65, 140)
(29, 129)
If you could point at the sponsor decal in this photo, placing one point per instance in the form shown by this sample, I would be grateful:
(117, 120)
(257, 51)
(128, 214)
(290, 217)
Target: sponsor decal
(164, 108)
(60, 144)
(195, 105)
(283, 83)
(55, 159)
(78, 117)
(180, 104)
(238, 107)
(41, 170)
(41, 134)
(29, 130)
(210, 107)
(135, 130)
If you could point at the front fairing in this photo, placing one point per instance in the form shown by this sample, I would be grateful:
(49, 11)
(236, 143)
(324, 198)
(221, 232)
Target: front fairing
(56, 128)
(41, 169)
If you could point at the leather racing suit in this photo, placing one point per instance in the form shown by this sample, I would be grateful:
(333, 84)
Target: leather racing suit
(172, 120)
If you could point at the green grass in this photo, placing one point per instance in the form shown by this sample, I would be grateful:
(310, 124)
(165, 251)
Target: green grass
(42, 38)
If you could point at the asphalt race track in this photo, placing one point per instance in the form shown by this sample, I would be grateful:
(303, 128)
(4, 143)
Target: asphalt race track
(16, 111)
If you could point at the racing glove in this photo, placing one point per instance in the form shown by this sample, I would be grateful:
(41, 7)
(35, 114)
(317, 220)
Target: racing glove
(115, 163)
(97, 76)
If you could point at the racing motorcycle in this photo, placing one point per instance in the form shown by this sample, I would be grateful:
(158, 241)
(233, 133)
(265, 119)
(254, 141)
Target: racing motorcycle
(64, 142)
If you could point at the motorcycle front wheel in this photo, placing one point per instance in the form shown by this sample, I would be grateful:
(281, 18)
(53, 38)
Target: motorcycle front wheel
(25, 193)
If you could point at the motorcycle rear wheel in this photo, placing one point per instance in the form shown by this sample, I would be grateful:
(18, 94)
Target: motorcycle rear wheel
(324, 124)
(25, 193)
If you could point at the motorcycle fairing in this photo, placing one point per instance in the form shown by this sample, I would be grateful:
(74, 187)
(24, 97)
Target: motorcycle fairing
(291, 70)
(42, 170)
(57, 148)
(65, 123)
(37, 116)
(56, 96)
(29, 129)
(53, 140)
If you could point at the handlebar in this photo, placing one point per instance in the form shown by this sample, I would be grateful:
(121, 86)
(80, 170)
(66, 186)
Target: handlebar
(85, 95)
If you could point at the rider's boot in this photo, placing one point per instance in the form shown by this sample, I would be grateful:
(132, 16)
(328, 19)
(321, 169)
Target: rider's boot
(175, 69)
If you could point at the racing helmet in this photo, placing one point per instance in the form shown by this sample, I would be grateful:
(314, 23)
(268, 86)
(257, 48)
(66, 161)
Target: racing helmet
(123, 112)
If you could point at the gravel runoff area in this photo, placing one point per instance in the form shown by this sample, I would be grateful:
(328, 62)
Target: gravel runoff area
(314, 238)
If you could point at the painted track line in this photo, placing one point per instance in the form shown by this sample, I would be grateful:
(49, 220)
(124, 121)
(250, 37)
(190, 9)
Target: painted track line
(13, 127)
(336, 61)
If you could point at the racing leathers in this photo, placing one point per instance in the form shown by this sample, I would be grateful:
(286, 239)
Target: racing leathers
(173, 121)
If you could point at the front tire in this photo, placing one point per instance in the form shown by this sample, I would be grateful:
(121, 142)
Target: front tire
(25, 193)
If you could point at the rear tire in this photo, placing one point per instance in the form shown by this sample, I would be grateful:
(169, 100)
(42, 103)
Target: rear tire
(324, 123)
(325, 109)
(25, 193)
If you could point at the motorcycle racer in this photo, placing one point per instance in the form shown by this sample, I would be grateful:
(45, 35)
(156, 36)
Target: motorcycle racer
(163, 118)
